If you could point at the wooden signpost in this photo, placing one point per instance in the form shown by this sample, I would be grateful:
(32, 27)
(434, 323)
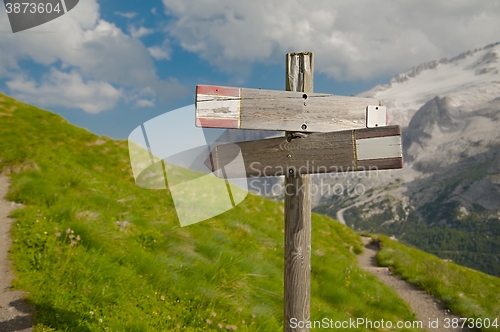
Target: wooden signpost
(324, 134)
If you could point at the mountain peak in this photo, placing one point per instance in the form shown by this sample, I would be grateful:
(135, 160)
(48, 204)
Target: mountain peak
(469, 79)
(488, 61)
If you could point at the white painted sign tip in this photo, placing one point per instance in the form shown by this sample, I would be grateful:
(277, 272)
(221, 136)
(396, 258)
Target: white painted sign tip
(376, 116)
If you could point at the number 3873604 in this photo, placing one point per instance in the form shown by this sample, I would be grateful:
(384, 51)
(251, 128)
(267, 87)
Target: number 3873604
(32, 8)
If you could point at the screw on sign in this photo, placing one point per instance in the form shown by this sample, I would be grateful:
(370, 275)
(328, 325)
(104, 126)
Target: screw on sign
(324, 134)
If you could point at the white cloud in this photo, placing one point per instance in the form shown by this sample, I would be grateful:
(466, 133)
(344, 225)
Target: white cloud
(128, 15)
(144, 103)
(93, 48)
(67, 90)
(350, 39)
(160, 52)
(140, 32)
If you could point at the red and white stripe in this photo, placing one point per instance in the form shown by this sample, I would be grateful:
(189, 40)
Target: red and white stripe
(218, 107)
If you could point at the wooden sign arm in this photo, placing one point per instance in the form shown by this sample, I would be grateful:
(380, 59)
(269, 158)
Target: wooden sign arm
(345, 151)
(241, 108)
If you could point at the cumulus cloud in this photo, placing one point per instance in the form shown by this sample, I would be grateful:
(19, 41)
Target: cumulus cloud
(140, 31)
(144, 103)
(160, 52)
(128, 15)
(350, 39)
(67, 90)
(82, 44)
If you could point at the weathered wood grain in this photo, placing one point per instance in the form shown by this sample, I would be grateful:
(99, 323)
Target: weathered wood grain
(343, 151)
(297, 274)
(241, 108)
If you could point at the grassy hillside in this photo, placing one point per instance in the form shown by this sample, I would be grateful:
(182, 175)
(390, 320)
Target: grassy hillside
(97, 253)
(467, 292)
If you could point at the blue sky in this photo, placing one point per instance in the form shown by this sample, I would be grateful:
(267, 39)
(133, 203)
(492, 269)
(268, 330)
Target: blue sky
(110, 65)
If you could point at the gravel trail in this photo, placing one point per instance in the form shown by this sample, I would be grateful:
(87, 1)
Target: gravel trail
(15, 314)
(426, 307)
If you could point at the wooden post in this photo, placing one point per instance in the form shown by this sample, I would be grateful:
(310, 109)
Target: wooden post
(297, 292)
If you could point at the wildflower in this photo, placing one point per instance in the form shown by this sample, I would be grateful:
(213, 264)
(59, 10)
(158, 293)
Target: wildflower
(253, 316)
(100, 320)
(68, 231)
(71, 236)
(243, 321)
(208, 321)
(91, 313)
(239, 309)
(78, 238)
(213, 314)
(162, 298)
(72, 243)
(45, 233)
(58, 234)
(219, 325)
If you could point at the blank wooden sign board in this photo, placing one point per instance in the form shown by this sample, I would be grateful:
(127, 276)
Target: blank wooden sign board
(343, 151)
(239, 108)
(324, 134)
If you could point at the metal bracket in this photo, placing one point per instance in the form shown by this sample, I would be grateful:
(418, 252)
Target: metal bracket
(376, 116)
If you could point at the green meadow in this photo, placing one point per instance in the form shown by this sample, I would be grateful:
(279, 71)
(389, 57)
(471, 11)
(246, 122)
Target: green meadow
(95, 252)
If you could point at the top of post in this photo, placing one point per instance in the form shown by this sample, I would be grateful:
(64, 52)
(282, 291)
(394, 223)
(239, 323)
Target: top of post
(300, 69)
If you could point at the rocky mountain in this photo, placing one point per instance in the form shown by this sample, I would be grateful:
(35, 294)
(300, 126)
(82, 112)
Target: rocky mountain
(446, 199)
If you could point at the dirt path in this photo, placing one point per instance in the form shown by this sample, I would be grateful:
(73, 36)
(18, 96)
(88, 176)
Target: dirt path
(425, 306)
(15, 314)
